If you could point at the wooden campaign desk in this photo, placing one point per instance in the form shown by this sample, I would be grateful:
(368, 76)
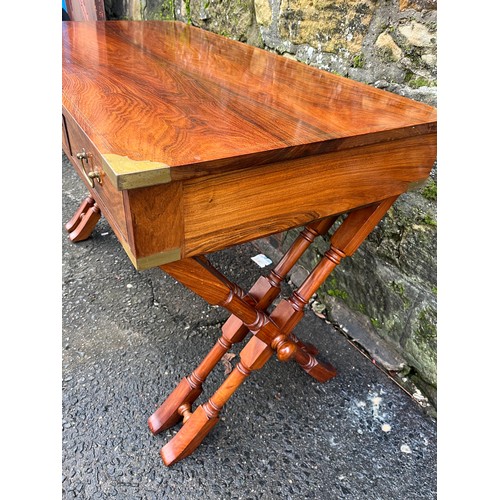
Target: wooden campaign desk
(189, 142)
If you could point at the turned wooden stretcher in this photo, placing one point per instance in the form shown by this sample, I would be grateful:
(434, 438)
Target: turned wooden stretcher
(189, 143)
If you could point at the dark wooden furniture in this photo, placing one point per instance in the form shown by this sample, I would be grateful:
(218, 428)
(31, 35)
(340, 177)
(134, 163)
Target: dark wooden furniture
(189, 142)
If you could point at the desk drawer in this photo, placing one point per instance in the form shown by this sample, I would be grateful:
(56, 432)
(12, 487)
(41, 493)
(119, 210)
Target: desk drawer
(87, 162)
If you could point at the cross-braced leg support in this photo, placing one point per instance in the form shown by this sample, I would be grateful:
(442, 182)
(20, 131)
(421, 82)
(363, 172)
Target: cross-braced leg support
(261, 295)
(271, 332)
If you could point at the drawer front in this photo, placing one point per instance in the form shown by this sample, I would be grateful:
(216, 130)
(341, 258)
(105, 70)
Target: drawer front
(87, 162)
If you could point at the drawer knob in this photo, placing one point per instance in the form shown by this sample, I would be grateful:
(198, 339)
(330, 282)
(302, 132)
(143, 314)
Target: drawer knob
(84, 157)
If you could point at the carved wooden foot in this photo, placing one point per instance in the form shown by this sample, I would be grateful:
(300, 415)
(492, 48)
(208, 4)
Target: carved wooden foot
(189, 437)
(167, 414)
(70, 226)
(198, 424)
(320, 370)
(83, 221)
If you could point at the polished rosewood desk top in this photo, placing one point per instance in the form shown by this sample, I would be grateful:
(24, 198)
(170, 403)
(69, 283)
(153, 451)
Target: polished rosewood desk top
(226, 132)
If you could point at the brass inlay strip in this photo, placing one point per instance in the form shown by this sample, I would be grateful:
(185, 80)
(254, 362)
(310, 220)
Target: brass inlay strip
(154, 260)
(125, 173)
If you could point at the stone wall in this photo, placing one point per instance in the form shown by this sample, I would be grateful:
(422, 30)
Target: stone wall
(385, 295)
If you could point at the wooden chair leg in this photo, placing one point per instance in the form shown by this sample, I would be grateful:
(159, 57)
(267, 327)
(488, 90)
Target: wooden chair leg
(71, 225)
(263, 293)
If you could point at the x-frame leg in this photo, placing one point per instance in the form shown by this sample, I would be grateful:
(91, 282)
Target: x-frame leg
(261, 295)
(271, 332)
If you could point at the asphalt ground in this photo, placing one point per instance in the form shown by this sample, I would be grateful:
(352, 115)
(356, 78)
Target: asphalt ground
(128, 338)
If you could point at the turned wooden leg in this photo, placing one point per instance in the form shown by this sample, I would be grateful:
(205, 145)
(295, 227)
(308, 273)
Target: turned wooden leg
(84, 220)
(267, 288)
(197, 273)
(262, 294)
(252, 357)
(189, 388)
(344, 242)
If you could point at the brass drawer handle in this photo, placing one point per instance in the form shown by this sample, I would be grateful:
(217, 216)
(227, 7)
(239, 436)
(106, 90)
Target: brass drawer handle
(84, 157)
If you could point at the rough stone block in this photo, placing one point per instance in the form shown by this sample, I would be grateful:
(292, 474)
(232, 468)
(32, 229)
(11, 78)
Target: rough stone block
(388, 46)
(263, 12)
(418, 4)
(332, 25)
(418, 34)
(226, 17)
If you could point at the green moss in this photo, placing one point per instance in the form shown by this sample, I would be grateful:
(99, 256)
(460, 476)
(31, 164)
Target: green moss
(400, 291)
(430, 191)
(166, 12)
(386, 55)
(341, 294)
(416, 82)
(397, 287)
(386, 27)
(361, 308)
(376, 323)
(426, 331)
(334, 291)
(429, 220)
(187, 4)
(358, 61)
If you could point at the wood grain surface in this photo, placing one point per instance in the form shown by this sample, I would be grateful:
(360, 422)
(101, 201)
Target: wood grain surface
(195, 102)
(226, 209)
(202, 142)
